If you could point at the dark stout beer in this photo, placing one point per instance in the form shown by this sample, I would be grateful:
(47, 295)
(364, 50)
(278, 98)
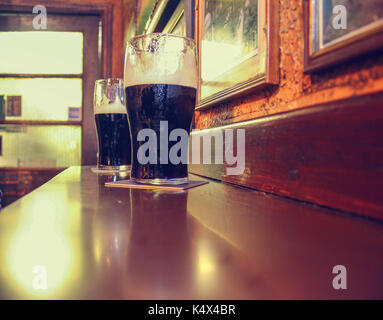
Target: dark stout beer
(160, 79)
(149, 104)
(113, 133)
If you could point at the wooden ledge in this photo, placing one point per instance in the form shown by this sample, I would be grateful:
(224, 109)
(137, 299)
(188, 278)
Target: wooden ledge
(330, 154)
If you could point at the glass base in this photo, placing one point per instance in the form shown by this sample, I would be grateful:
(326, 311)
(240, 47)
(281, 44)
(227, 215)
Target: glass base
(114, 168)
(161, 181)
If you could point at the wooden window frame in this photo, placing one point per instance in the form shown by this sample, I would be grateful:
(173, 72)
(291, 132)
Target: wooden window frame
(104, 12)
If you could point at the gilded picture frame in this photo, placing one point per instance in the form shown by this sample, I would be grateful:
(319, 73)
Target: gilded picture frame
(238, 45)
(339, 30)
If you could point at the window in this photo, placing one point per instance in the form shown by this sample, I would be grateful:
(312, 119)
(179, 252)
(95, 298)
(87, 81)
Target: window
(43, 80)
(26, 59)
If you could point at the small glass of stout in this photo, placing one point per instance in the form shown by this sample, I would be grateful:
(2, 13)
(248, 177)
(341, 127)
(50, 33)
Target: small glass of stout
(112, 125)
(161, 76)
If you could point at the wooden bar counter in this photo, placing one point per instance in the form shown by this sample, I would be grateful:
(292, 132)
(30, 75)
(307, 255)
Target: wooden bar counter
(72, 238)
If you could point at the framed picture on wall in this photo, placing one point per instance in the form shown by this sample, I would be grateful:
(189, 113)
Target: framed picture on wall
(337, 30)
(238, 47)
(13, 106)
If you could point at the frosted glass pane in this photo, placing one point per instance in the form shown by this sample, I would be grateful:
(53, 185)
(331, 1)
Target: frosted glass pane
(40, 146)
(44, 98)
(41, 52)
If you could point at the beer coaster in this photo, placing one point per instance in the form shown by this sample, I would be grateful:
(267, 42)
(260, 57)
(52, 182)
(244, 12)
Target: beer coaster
(132, 185)
(108, 171)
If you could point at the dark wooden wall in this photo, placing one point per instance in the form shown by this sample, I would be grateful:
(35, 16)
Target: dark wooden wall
(330, 154)
(17, 182)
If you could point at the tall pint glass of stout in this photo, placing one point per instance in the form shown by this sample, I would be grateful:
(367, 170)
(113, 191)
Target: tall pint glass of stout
(114, 149)
(161, 77)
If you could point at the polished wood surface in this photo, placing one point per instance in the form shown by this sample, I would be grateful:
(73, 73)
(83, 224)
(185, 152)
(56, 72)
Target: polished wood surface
(211, 242)
(330, 154)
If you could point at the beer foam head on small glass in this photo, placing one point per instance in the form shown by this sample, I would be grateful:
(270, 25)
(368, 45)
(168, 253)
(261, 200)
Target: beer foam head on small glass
(112, 125)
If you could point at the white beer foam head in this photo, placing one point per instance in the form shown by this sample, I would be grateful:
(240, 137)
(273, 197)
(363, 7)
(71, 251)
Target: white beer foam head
(174, 64)
(115, 107)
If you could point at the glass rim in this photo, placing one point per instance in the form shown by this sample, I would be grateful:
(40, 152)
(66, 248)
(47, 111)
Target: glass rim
(110, 81)
(169, 35)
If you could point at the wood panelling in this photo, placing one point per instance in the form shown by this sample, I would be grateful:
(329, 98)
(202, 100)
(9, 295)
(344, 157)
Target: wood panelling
(330, 154)
(90, 74)
(17, 182)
